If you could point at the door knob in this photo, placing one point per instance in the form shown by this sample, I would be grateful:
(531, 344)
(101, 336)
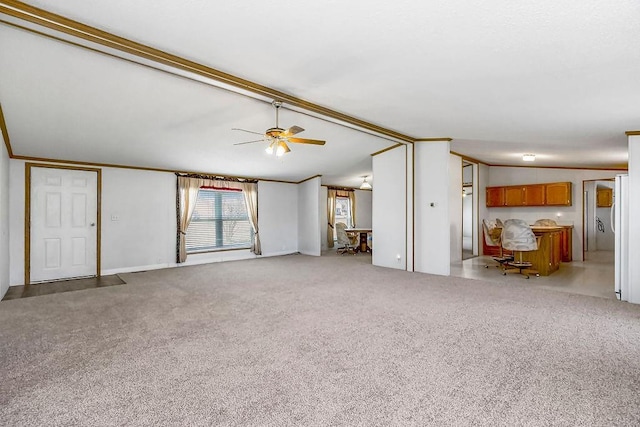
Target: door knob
(93, 224)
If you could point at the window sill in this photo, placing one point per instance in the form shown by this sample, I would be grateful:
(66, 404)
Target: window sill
(208, 251)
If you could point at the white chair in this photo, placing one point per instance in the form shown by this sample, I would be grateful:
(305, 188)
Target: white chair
(518, 237)
(493, 237)
(545, 223)
(348, 242)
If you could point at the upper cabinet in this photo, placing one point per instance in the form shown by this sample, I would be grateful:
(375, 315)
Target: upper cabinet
(604, 197)
(513, 196)
(495, 196)
(535, 195)
(552, 194)
(559, 194)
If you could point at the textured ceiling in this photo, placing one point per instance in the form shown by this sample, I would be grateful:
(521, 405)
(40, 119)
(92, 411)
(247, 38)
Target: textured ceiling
(558, 79)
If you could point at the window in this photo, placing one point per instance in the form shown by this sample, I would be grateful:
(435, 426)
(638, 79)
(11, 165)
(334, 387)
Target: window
(219, 221)
(343, 213)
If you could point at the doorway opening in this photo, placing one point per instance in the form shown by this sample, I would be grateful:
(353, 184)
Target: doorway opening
(598, 240)
(469, 210)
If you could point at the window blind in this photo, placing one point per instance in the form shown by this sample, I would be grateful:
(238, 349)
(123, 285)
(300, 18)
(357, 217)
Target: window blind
(220, 221)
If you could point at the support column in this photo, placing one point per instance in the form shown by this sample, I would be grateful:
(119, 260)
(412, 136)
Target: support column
(634, 213)
(432, 243)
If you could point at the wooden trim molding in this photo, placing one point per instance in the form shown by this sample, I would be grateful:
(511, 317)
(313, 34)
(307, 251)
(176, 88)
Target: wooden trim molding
(620, 168)
(432, 139)
(387, 149)
(469, 159)
(309, 179)
(632, 132)
(56, 22)
(111, 165)
(27, 214)
(5, 133)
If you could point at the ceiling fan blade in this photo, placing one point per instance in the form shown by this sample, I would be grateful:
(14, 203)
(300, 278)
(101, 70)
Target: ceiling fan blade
(306, 141)
(249, 142)
(293, 130)
(249, 131)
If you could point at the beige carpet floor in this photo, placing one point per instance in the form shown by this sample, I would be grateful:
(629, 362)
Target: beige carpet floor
(317, 341)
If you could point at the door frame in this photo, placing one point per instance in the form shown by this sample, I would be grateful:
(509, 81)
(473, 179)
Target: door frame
(584, 210)
(27, 213)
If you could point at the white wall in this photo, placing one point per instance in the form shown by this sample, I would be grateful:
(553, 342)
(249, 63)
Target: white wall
(144, 236)
(4, 220)
(565, 215)
(16, 222)
(634, 225)
(309, 217)
(483, 211)
(278, 218)
(455, 207)
(432, 199)
(467, 221)
(389, 209)
(363, 208)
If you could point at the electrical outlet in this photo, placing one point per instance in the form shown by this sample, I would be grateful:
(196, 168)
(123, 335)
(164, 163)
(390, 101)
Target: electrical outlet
(115, 217)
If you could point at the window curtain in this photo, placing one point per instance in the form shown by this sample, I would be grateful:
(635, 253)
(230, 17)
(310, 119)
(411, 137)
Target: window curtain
(352, 202)
(250, 192)
(331, 215)
(188, 194)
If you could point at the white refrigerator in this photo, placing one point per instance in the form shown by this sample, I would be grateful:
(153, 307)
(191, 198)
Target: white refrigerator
(620, 227)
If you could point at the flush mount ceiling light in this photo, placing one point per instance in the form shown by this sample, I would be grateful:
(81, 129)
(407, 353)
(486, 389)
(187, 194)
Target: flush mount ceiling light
(528, 157)
(365, 184)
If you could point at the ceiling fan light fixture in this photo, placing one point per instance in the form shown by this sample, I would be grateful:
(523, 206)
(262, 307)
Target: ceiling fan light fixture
(528, 157)
(282, 149)
(269, 149)
(365, 184)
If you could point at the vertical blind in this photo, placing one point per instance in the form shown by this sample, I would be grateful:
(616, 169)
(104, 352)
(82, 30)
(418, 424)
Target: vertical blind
(220, 221)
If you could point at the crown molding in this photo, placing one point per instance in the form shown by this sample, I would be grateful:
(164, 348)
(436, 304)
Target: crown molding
(309, 179)
(387, 149)
(5, 133)
(469, 159)
(142, 168)
(432, 139)
(618, 168)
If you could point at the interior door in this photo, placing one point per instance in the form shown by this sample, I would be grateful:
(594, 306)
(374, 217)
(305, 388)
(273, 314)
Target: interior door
(63, 225)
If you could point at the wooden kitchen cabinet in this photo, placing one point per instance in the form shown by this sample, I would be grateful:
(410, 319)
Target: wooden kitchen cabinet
(514, 196)
(558, 194)
(566, 244)
(552, 194)
(546, 259)
(524, 195)
(534, 195)
(604, 197)
(495, 196)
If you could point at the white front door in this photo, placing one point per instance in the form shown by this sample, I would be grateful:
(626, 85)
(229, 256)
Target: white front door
(63, 223)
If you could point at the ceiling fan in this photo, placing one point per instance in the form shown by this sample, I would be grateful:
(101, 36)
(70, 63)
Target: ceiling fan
(278, 137)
